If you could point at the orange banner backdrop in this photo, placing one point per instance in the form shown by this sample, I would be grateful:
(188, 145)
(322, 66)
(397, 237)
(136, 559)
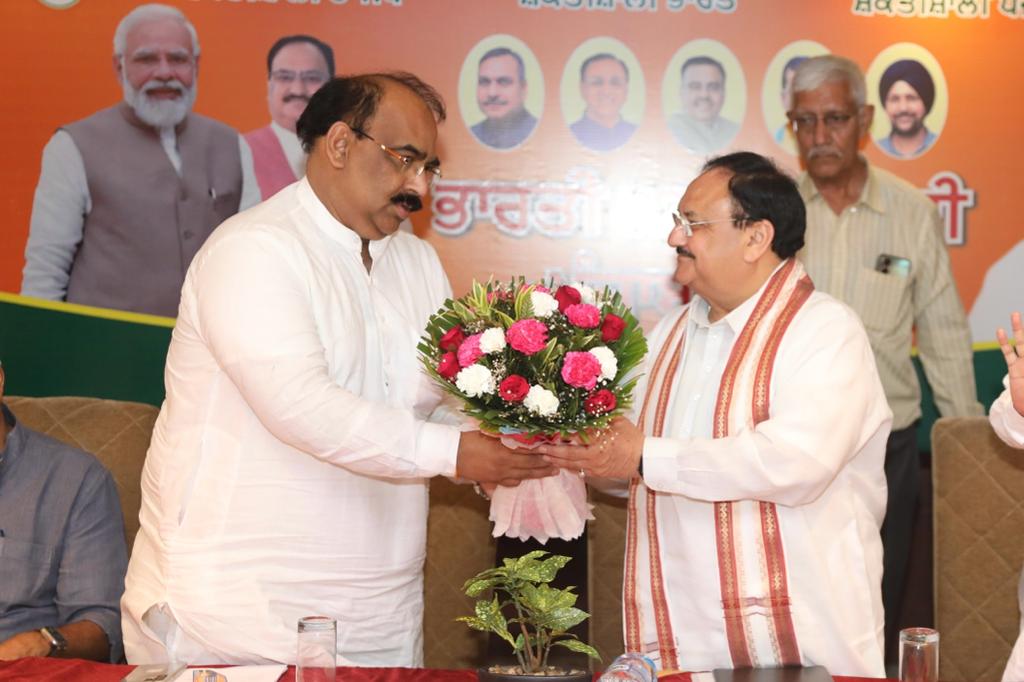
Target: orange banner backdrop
(551, 206)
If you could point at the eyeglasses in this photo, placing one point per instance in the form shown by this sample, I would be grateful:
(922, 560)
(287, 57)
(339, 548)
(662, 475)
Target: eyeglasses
(405, 161)
(681, 223)
(808, 123)
(287, 77)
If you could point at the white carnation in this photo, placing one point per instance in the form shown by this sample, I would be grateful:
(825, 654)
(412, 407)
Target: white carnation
(475, 381)
(609, 363)
(543, 304)
(492, 340)
(541, 401)
(587, 295)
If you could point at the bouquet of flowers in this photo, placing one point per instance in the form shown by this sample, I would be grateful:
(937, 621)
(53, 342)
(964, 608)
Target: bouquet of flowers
(531, 362)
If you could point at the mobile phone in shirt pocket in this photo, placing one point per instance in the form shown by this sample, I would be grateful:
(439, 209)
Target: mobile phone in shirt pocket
(880, 299)
(893, 265)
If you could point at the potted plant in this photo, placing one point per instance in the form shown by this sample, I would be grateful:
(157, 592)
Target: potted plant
(540, 617)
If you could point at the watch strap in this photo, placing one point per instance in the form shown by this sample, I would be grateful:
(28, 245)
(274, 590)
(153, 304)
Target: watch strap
(55, 638)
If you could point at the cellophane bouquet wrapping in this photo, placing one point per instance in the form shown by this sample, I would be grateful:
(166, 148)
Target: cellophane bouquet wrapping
(534, 363)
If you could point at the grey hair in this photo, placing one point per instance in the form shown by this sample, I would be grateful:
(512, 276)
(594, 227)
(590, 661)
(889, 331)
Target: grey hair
(151, 12)
(814, 72)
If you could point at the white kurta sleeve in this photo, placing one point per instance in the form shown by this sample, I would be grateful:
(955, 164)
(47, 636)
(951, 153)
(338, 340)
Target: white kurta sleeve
(1007, 422)
(253, 310)
(58, 215)
(826, 404)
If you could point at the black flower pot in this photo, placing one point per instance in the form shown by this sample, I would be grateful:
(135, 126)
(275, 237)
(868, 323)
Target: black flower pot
(485, 675)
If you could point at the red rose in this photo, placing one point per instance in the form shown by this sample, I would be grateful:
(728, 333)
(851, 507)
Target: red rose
(513, 388)
(449, 366)
(600, 402)
(452, 338)
(611, 328)
(567, 296)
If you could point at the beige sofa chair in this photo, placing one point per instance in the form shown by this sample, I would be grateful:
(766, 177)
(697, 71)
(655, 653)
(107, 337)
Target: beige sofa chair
(979, 547)
(115, 431)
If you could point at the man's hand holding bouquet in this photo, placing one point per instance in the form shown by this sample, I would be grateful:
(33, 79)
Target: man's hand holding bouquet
(535, 364)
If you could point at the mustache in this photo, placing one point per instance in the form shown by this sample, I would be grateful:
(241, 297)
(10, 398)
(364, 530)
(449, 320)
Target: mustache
(172, 84)
(289, 98)
(683, 251)
(823, 150)
(410, 201)
(495, 100)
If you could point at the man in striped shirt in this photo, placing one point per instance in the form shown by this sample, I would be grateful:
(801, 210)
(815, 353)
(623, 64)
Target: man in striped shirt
(875, 242)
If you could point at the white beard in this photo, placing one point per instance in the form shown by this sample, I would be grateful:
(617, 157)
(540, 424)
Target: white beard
(160, 113)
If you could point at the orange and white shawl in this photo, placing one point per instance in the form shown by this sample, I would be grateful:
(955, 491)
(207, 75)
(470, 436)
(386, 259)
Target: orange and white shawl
(742, 403)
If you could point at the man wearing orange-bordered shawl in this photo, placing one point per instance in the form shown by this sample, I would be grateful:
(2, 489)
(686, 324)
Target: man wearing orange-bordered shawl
(756, 467)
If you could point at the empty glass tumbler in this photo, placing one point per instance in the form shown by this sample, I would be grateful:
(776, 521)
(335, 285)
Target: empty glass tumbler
(919, 655)
(318, 648)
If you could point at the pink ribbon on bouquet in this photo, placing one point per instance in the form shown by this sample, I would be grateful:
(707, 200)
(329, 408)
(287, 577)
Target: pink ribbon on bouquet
(541, 508)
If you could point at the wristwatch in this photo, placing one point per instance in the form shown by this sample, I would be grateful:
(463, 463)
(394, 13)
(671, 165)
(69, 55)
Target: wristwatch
(56, 640)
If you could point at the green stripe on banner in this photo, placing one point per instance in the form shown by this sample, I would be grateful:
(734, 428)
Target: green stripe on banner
(52, 348)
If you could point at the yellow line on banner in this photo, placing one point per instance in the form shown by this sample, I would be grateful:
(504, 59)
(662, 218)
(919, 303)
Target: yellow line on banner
(87, 310)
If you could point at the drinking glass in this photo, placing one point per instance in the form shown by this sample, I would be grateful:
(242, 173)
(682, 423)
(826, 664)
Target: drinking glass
(919, 655)
(318, 647)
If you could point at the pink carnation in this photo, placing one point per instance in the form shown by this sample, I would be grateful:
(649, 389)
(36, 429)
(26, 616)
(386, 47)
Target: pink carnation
(469, 350)
(527, 336)
(583, 315)
(581, 369)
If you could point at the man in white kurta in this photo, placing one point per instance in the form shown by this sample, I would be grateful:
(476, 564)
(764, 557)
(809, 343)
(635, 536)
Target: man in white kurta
(753, 537)
(288, 470)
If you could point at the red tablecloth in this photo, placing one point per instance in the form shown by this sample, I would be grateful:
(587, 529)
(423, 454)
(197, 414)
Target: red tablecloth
(58, 670)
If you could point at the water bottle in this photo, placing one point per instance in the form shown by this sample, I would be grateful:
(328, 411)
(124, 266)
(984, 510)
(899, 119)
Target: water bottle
(630, 667)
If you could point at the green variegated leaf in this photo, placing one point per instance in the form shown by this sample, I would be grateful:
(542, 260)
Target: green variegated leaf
(475, 587)
(474, 623)
(550, 566)
(579, 647)
(563, 618)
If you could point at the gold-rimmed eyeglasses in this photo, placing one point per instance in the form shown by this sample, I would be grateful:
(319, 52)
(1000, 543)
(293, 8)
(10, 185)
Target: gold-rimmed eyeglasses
(681, 223)
(408, 163)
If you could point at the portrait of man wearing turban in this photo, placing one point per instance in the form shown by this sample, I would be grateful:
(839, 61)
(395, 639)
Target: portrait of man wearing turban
(907, 93)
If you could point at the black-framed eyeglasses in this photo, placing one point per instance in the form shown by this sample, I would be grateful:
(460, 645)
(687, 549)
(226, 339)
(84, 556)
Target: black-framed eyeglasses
(681, 223)
(408, 163)
(808, 122)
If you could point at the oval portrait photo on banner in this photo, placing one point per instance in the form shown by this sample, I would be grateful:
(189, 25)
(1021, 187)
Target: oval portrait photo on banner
(777, 88)
(501, 92)
(603, 94)
(704, 96)
(906, 84)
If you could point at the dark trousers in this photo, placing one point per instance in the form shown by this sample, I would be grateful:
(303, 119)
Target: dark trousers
(902, 475)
